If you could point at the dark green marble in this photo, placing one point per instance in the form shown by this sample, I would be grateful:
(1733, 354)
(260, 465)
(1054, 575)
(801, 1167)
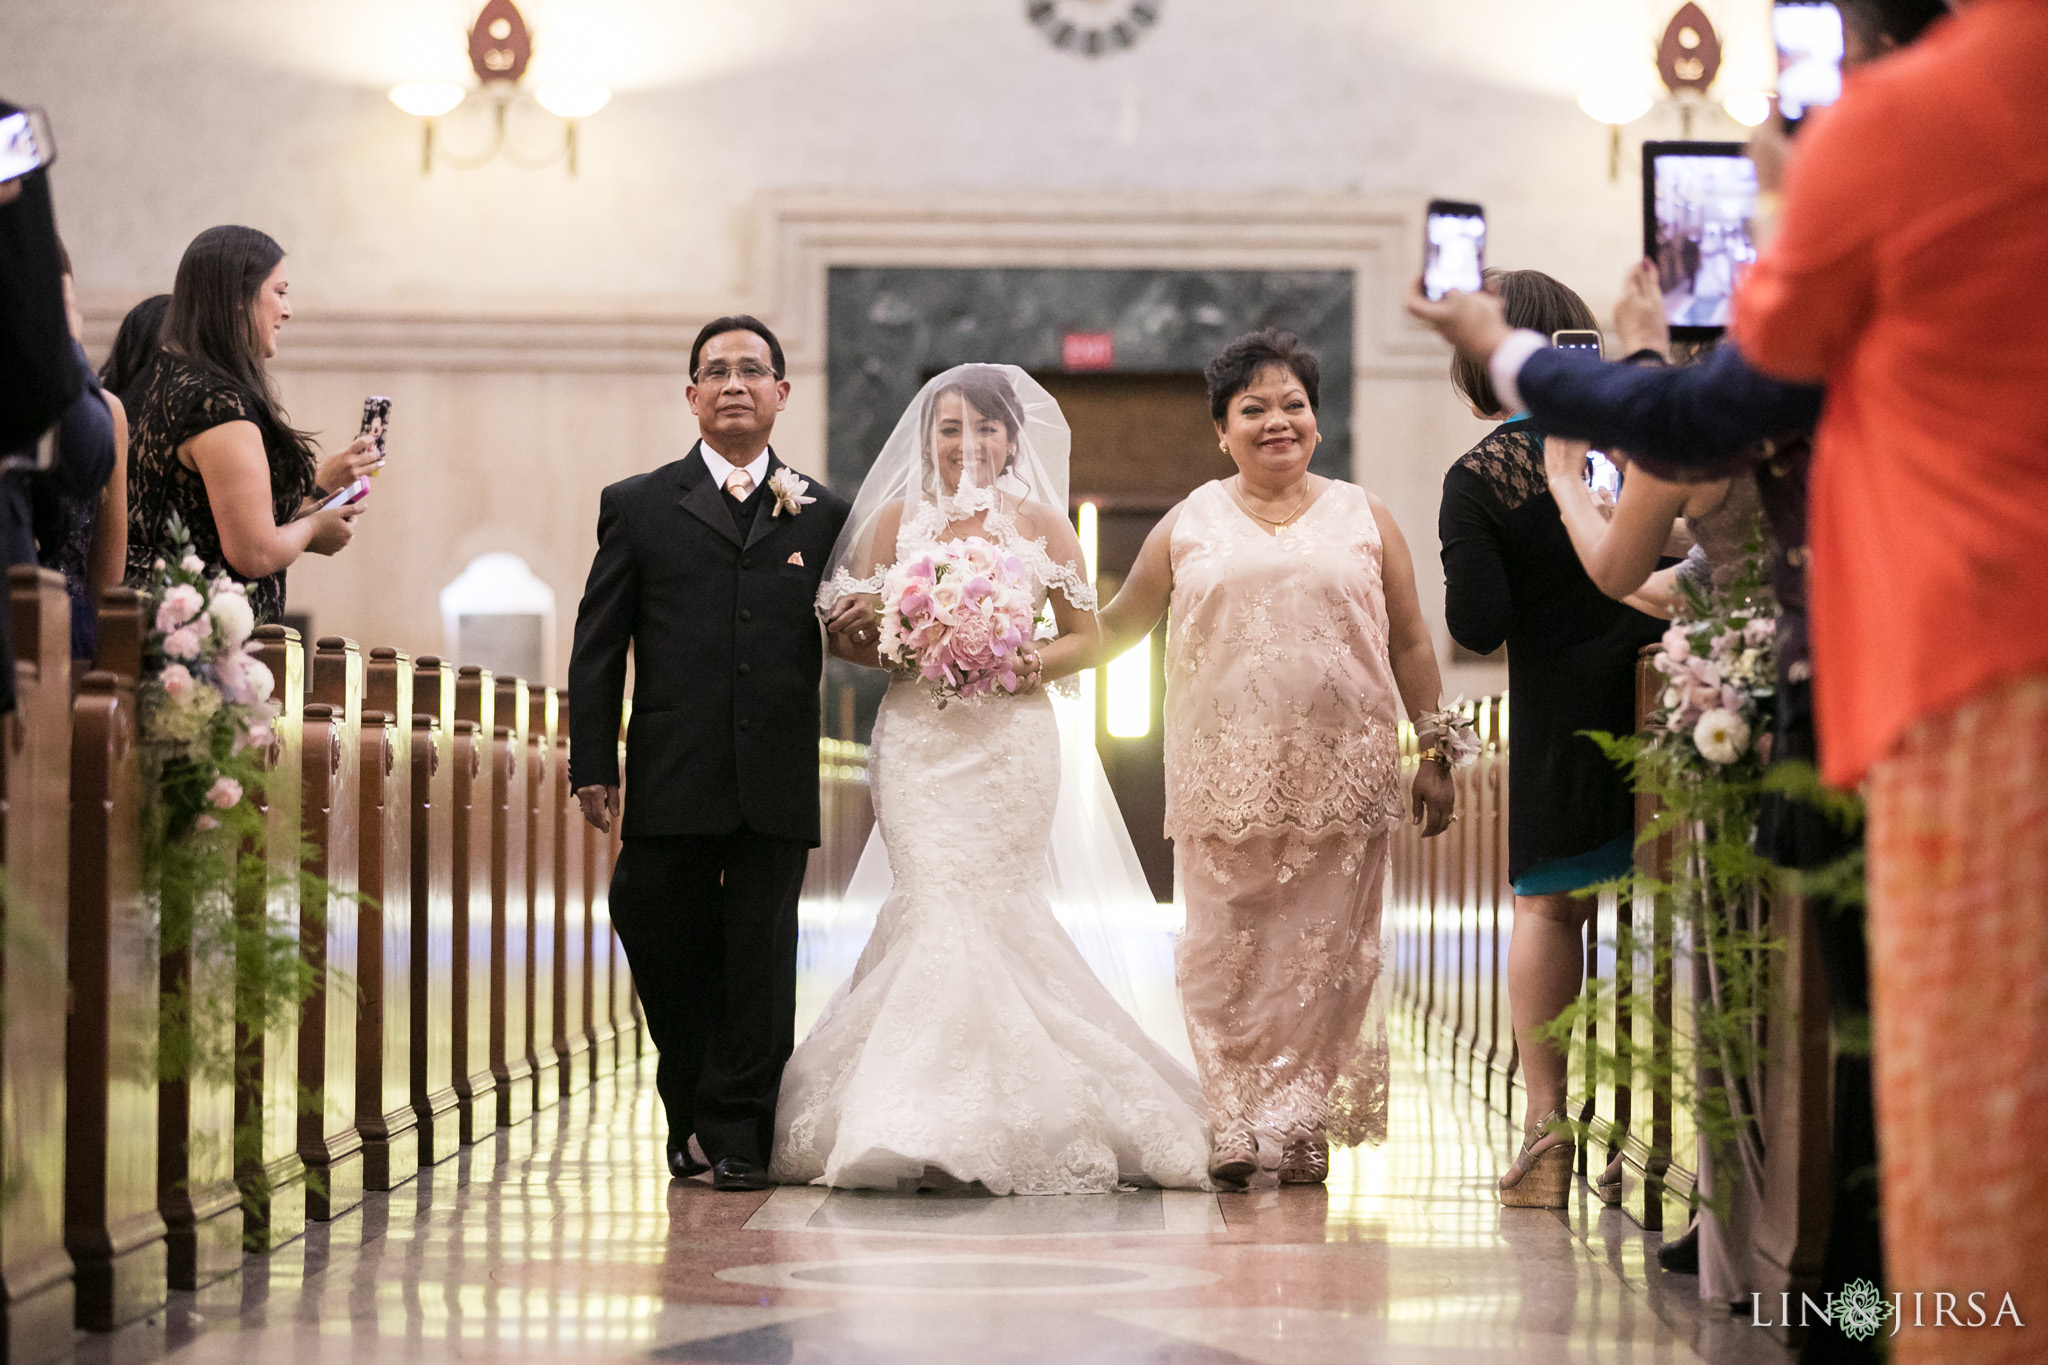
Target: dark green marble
(890, 329)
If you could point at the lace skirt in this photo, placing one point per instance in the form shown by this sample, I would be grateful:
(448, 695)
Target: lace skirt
(1277, 969)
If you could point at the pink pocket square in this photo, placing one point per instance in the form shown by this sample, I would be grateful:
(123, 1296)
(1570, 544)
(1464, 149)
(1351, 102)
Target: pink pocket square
(797, 559)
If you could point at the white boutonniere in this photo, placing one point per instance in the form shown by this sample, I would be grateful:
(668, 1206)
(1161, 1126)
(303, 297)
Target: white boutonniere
(789, 488)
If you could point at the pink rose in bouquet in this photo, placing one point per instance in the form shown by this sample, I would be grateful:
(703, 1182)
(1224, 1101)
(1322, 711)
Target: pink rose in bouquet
(960, 617)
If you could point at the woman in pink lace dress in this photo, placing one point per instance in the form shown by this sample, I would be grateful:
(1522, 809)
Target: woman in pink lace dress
(1294, 644)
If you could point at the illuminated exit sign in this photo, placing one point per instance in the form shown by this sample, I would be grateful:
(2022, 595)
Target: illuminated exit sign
(1088, 350)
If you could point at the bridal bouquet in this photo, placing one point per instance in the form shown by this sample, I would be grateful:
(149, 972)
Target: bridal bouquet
(960, 617)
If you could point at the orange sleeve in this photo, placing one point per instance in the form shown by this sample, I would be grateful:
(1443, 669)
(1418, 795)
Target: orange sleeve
(1809, 294)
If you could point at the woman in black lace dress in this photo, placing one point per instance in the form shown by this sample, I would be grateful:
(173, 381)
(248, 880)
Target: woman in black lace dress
(212, 449)
(1511, 577)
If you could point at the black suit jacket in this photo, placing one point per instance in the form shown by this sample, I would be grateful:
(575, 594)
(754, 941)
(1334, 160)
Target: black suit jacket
(727, 652)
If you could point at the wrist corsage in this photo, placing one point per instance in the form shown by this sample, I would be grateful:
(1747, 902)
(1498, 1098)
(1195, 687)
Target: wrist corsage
(1455, 743)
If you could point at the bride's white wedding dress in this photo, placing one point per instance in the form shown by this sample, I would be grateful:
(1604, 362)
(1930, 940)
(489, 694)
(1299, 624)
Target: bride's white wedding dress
(973, 1042)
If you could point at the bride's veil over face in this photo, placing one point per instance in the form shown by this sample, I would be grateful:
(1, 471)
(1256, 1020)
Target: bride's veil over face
(984, 445)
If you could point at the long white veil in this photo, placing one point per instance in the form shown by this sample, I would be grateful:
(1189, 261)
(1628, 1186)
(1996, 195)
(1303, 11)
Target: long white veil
(1093, 878)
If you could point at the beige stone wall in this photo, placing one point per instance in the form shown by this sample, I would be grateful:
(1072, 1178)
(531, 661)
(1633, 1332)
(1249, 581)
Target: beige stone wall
(532, 328)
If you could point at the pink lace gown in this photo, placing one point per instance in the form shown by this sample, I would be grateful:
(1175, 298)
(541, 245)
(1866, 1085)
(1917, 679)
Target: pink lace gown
(1282, 783)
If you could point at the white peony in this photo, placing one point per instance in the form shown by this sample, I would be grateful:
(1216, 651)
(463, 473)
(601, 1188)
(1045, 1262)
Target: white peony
(1721, 736)
(233, 621)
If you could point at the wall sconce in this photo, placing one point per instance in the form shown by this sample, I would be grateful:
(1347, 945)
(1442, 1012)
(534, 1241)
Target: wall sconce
(1688, 59)
(500, 49)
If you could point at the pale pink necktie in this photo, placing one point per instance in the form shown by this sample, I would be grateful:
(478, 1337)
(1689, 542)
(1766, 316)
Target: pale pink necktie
(739, 483)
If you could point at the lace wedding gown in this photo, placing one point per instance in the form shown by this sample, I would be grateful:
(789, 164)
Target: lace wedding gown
(973, 1041)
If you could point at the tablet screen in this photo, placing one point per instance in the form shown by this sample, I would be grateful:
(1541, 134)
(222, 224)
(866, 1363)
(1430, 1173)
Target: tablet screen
(1702, 207)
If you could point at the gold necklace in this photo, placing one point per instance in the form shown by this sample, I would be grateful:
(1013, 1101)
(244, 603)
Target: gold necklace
(1245, 503)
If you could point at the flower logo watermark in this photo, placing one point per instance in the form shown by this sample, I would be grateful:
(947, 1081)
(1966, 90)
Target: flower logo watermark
(1860, 1309)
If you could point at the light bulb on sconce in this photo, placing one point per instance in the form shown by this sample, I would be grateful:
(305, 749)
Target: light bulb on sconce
(1615, 106)
(427, 99)
(1747, 107)
(573, 101)
(500, 49)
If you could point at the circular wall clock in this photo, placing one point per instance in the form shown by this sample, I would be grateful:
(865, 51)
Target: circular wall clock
(1092, 27)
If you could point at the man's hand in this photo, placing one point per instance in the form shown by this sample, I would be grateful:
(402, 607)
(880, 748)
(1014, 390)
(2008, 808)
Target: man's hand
(1474, 323)
(1432, 797)
(856, 617)
(600, 806)
(1639, 321)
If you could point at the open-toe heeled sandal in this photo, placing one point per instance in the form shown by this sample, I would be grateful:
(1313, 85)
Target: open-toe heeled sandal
(1541, 1179)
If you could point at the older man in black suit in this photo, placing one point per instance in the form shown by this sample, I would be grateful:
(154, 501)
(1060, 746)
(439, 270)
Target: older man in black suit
(708, 569)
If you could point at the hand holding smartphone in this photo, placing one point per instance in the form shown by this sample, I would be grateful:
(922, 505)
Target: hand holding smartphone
(355, 492)
(376, 423)
(1453, 249)
(1811, 44)
(1579, 339)
(25, 144)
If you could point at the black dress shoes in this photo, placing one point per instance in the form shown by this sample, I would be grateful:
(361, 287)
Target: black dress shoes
(738, 1173)
(682, 1165)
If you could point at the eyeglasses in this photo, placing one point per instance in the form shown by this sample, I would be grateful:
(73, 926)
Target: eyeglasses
(749, 373)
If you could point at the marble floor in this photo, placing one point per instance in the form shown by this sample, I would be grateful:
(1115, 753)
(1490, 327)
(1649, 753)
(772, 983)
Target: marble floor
(564, 1241)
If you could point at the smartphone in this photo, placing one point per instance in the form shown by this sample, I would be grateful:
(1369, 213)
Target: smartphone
(1602, 474)
(355, 492)
(1810, 46)
(1453, 248)
(25, 144)
(1699, 208)
(1579, 339)
(376, 422)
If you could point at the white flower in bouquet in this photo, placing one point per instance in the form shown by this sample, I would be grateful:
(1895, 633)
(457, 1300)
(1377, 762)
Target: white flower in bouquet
(233, 620)
(1721, 735)
(244, 679)
(1760, 632)
(192, 564)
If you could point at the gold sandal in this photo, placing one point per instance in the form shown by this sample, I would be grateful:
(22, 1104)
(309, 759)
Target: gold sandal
(1541, 1180)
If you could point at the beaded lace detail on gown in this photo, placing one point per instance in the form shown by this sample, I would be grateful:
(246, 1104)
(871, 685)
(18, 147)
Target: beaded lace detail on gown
(1282, 782)
(972, 1038)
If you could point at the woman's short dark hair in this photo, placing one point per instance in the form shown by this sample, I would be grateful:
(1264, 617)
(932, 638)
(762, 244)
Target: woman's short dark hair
(1232, 372)
(137, 344)
(1533, 300)
(737, 322)
(212, 324)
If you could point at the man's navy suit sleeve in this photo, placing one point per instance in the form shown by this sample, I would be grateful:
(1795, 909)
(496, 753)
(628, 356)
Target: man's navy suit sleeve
(1685, 419)
(597, 663)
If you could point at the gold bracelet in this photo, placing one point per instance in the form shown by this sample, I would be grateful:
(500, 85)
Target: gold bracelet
(1435, 754)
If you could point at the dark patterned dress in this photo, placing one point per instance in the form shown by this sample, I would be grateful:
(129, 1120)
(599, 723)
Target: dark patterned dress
(1511, 577)
(176, 400)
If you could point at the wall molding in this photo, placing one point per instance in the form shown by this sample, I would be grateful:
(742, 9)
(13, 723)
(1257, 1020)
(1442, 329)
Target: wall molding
(793, 238)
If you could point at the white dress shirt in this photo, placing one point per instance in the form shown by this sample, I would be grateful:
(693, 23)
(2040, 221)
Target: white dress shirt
(1506, 365)
(722, 468)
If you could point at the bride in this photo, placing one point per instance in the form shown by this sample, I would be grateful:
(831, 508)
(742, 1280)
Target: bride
(973, 1045)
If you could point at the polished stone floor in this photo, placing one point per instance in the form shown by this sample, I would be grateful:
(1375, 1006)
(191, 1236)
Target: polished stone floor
(564, 1241)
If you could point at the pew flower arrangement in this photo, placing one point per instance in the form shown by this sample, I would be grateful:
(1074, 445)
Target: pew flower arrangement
(226, 921)
(205, 697)
(1703, 754)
